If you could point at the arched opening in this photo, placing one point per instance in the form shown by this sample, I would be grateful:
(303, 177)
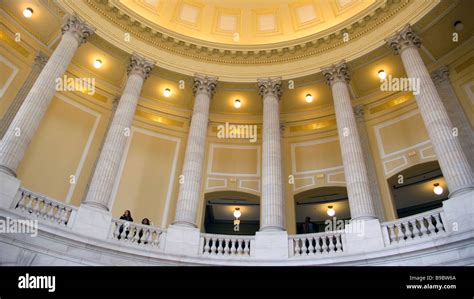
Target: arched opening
(220, 214)
(315, 204)
(413, 189)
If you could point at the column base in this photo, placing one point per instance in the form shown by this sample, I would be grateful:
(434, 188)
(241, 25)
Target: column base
(92, 222)
(271, 245)
(6, 170)
(9, 186)
(363, 235)
(181, 240)
(458, 212)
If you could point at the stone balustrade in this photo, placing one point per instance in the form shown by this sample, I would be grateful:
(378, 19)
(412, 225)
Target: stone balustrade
(225, 245)
(316, 244)
(130, 233)
(43, 208)
(424, 225)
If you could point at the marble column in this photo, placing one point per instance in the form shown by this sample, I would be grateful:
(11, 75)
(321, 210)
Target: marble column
(24, 125)
(455, 112)
(369, 162)
(107, 168)
(38, 65)
(190, 188)
(451, 158)
(355, 171)
(115, 102)
(272, 205)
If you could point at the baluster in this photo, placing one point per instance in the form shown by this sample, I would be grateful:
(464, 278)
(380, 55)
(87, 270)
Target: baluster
(331, 244)
(117, 230)
(29, 206)
(57, 214)
(311, 246)
(325, 245)
(297, 247)
(431, 227)
(304, 247)
(51, 212)
(41, 209)
(206, 245)
(239, 247)
(318, 245)
(62, 218)
(213, 247)
(391, 233)
(22, 202)
(439, 225)
(338, 243)
(416, 231)
(220, 248)
(226, 246)
(247, 247)
(400, 233)
(232, 247)
(135, 233)
(155, 242)
(123, 233)
(423, 229)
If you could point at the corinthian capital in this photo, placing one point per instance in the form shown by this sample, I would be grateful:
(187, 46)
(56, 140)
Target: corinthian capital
(140, 66)
(403, 39)
(269, 87)
(359, 112)
(336, 73)
(205, 84)
(78, 28)
(440, 75)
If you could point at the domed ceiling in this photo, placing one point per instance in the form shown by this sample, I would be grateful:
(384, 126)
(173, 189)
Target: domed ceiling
(246, 22)
(242, 40)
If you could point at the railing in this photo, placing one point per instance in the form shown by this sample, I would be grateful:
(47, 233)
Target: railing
(225, 245)
(316, 244)
(44, 208)
(423, 225)
(137, 234)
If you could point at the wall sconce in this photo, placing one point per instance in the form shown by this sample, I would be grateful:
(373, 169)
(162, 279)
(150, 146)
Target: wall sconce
(237, 215)
(237, 103)
(309, 98)
(167, 92)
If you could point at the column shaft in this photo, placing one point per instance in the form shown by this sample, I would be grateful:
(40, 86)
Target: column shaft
(357, 180)
(107, 168)
(272, 206)
(38, 65)
(190, 189)
(369, 163)
(26, 122)
(455, 112)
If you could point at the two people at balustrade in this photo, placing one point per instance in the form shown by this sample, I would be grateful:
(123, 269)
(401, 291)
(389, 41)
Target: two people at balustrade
(127, 216)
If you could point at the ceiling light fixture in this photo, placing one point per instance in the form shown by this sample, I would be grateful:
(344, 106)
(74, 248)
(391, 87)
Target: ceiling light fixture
(167, 92)
(237, 215)
(309, 98)
(331, 212)
(98, 63)
(382, 75)
(237, 103)
(458, 25)
(28, 12)
(438, 190)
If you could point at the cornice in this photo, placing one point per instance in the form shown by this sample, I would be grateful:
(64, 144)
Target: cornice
(246, 65)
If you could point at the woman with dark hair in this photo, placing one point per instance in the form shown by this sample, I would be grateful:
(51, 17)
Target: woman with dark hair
(127, 216)
(145, 221)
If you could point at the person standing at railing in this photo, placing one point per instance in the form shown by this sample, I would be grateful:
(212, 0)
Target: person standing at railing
(145, 221)
(127, 216)
(308, 226)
